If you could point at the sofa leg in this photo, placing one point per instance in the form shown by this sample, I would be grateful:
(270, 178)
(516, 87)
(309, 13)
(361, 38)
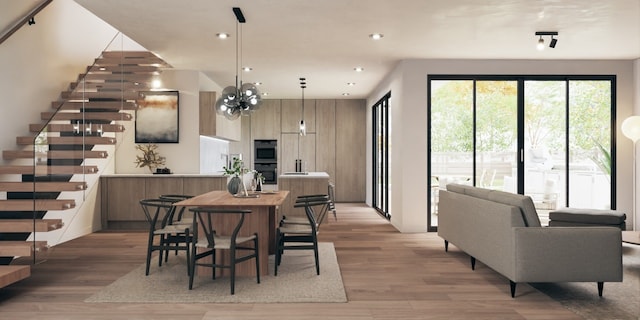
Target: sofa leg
(446, 246)
(513, 288)
(600, 288)
(473, 263)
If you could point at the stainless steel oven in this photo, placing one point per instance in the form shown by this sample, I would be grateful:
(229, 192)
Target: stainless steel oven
(269, 172)
(265, 151)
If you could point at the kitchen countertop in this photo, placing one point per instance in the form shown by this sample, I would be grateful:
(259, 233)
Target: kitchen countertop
(301, 175)
(173, 175)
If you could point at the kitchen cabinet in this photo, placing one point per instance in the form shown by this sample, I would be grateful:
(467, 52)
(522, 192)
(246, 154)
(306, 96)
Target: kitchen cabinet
(265, 122)
(292, 114)
(326, 136)
(294, 146)
(119, 195)
(299, 185)
(351, 138)
(214, 125)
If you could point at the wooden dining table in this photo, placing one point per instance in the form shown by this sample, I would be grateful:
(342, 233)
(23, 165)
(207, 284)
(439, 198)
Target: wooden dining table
(261, 220)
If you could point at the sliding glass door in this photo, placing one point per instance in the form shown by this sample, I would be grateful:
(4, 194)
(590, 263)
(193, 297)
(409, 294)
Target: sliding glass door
(546, 137)
(381, 150)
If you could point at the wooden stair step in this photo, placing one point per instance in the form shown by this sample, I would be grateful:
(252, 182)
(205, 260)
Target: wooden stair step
(101, 85)
(28, 225)
(134, 77)
(43, 186)
(124, 69)
(13, 273)
(60, 127)
(124, 95)
(40, 205)
(107, 116)
(128, 54)
(44, 170)
(21, 248)
(79, 105)
(55, 154)
(141, 61)
(78, 140)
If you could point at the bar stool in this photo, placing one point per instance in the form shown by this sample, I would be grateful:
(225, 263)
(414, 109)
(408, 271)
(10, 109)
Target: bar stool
(208, 240)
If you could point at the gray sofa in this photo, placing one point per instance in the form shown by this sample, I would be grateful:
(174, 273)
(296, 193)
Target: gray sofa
(503, 231)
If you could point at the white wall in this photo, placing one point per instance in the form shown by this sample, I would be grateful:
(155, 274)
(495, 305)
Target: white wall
(408, 85)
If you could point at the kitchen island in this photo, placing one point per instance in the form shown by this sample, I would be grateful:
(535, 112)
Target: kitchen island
(299, 184)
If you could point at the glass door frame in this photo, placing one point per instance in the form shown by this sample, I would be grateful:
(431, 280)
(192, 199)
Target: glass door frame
(520, 123)
(380, 156)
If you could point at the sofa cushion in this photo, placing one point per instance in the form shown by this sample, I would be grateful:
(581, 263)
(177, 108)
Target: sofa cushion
(457, 188)
(590, 216)
(525, 204)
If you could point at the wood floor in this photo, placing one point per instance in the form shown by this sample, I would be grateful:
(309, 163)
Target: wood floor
(387, 275)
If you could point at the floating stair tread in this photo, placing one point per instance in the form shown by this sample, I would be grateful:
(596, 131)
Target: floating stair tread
(59, 127)
(131, 78)
(79, 105)
(40, 205)
(112, 85)
(106, 116)
(47, 170)
(21, 248)
(48, 186)
(28, 225)
(11, 274)
(127, 69)
(128, 54)
(56, 154)
(79, 140)
(155, 61)
(116, 95)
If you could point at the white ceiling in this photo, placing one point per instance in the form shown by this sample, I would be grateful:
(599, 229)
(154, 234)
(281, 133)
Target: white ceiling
(323, 40)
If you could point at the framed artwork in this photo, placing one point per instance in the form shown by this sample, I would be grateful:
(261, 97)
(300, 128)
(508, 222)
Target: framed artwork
(157, 117)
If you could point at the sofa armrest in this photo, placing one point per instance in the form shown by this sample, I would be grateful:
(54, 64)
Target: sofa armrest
(568, 254)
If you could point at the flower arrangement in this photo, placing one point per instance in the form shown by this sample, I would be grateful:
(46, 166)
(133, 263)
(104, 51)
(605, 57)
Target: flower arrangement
(237, 169)
(150, 157)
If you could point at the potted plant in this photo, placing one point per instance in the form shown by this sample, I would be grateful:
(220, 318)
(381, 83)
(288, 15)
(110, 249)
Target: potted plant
(150, 157)
(236, 171)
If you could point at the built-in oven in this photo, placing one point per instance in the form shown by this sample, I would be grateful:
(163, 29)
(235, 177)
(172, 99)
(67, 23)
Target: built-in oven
(269, 172)
(265, 151)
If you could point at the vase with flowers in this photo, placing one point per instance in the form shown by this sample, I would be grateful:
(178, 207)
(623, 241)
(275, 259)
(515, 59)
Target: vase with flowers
(236, 171)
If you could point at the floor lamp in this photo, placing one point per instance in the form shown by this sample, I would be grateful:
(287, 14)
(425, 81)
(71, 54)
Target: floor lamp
(631, 129)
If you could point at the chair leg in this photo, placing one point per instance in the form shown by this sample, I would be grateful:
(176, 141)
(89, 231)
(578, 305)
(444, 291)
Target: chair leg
(257, 257)
(315, 252)
(149, 249)
(192, 268)
(161, 251)
(232, 268)
(278, 253)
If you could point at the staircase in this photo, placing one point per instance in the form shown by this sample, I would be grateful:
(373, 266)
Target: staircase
(51, 163)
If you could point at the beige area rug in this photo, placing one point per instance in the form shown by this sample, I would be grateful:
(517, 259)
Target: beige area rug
(296, 282)
(620, 300)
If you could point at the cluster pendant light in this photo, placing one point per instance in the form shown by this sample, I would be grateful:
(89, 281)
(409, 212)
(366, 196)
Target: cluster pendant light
(303, 126)
(243, 98)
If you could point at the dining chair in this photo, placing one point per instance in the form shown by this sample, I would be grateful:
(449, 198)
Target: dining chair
(169, 237)
(332, 200)
(296, 236)
(208, 241)
(319, 215)
(176, 217)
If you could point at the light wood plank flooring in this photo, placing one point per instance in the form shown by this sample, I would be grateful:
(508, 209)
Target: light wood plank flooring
(387, 275)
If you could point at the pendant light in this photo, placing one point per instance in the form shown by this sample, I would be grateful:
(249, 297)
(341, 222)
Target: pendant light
(243, 98)
(303, 126)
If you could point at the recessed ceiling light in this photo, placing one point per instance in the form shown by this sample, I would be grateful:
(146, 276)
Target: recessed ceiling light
(351, 84)
(346, 94)
(265, 93)
(246, 69)
(358, 69)
(222, 35)
(258, 83)
(376, 36)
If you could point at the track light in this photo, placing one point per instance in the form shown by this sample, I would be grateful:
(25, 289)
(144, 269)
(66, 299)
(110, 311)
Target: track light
(552, 43)
(31, 21)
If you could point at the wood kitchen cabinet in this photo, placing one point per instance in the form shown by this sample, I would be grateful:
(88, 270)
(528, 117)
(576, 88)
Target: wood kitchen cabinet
(292, 114)
(290, 144)
(265, 122)
(213, 124)
(120, 195)
(326, 136)
(351, 139)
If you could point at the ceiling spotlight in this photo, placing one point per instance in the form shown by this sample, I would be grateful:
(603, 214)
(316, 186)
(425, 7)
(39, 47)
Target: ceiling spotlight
(552, 43)
(246, 69)
(376, 36)
(351, 84)
(358, 69)
(222, 35)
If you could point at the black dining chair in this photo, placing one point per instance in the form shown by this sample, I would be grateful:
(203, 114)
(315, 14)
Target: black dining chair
(208, 240)
(162, 235)
(176, 217)
(295, 236)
